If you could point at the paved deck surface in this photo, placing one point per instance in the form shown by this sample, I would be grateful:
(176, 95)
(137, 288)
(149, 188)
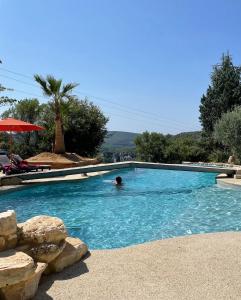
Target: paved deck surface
(67, 178)
(229, 182)
(196, 267)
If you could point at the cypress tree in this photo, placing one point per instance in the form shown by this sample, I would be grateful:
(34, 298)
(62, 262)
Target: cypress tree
(223, 94)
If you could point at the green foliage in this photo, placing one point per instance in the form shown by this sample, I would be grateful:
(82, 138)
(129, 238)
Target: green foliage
(59, 93)
(4, 100)
(194, 135)
(184, 149)
(85, 127)
(55, 88)
(84, 123)
(150, 147)
(27, 110)
(155, 147)
(223, 94)
(218, 155)
(227, 131)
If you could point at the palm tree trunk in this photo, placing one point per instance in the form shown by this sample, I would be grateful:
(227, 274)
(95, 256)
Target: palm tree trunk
(59, 146)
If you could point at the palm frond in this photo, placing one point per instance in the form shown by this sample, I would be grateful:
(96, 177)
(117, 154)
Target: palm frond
(68, 88)
(43, 83)
(54, 84)
(4, 100)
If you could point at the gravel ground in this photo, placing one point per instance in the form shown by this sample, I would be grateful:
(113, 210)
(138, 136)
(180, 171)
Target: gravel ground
(206, 266)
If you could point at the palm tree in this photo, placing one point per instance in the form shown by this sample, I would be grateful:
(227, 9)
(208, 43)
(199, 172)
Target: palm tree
(58, 92)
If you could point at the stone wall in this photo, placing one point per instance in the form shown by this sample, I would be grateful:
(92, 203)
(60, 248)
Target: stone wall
(27, 250)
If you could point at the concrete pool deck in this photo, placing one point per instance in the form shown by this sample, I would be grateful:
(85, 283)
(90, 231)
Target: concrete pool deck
(206, 266)
(225, 181)
(67, 178)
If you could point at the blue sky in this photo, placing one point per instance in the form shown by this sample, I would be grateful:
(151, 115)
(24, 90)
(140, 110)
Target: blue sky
(146, 63)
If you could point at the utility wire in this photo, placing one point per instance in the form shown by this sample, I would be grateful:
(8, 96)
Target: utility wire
(158, 121)
(95, 97)
(109, 113)
(153, 121)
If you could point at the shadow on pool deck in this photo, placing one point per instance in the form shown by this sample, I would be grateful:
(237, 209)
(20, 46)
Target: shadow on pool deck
(76, 270)
(205, 266)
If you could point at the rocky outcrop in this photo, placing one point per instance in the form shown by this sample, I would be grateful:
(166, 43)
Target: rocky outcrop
(41, 244)
(2, 243)
(8, 229)
(42, 229)
(11, 241)
(14, 267)
(25, 289)
(46, 252)
(73, 251)
(8, 223)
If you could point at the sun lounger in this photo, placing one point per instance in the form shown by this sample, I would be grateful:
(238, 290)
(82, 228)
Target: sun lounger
(18, 165)
(24, 164)
(4, 161)
(8, 167)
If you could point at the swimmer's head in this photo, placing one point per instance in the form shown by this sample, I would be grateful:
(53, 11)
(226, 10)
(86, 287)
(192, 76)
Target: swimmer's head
(118, 180)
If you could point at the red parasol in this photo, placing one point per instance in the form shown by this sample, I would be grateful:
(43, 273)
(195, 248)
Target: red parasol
(11, 125)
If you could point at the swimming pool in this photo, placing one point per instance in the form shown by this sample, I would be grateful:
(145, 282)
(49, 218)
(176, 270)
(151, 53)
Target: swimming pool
(152, 204)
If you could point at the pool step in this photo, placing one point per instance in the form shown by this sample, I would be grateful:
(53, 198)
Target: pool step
(238, 174)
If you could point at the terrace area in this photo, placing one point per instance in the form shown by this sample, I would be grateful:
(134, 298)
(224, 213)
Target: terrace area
(194, 267)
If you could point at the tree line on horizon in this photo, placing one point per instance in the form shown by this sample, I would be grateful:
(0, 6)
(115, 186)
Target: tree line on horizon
(220, 117)
(76, 125)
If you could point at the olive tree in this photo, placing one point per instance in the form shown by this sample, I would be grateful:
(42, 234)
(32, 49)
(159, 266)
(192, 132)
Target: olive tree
(227, 131)
(150, 146)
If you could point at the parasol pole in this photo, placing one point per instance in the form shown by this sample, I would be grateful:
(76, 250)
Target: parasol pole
(11, 147)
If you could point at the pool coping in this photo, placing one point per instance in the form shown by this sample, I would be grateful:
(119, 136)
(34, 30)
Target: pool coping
(108, 167)
(47, 181)
(221, 179)
(225, 181)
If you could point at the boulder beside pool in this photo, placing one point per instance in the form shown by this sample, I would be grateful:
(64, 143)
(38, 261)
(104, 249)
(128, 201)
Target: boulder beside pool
(24, 289)
(45, 252)
(15, 266)
(73, 251)
(8, 230)
(42, 229)
(41, 245)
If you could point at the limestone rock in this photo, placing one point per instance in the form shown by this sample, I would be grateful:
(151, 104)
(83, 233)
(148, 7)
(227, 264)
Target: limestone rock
(45, 252)
(2, 243)
(42, 229)
(14, 267)
(24, 290)
(8, 223)
(11, 241)
(73, 251)
(31, 284)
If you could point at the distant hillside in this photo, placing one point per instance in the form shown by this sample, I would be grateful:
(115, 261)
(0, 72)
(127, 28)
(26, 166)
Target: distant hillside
(196, 135)
(119, 139)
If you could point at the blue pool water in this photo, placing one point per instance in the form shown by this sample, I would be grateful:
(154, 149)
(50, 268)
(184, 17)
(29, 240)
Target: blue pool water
(152, 204)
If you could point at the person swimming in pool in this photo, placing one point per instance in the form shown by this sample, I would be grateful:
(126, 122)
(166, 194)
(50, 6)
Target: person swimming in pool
(118, 181)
